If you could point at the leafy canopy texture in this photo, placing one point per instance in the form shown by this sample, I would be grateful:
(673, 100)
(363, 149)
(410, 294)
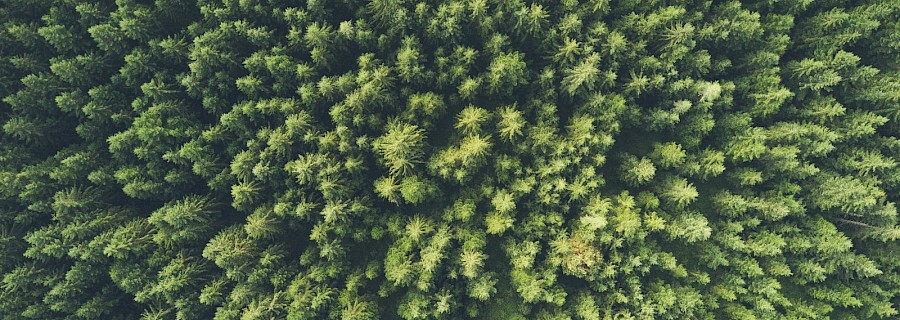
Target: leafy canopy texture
(449, 159)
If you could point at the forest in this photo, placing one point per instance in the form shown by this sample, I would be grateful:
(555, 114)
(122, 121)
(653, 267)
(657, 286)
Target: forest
(449, 159)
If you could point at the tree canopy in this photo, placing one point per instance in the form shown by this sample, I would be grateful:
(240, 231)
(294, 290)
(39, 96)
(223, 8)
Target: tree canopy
(453, 159)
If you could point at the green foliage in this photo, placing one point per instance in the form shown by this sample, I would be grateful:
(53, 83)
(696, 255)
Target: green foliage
(401, 147)
(415, 190)
(597, 159)
(637, 172)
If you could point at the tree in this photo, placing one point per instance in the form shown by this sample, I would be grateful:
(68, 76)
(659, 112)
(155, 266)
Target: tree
(470, 119)
(691, 227)
(189, 219)
(460, 162)
(416, 190)
(506, 71)
(668, 155)
(637, 172)
(511, 122)
(584, 75)
(850, 195)
(678, 192)
(401, 147)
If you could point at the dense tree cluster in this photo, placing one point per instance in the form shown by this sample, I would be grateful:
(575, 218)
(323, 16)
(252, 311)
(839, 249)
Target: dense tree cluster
(453, 159)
